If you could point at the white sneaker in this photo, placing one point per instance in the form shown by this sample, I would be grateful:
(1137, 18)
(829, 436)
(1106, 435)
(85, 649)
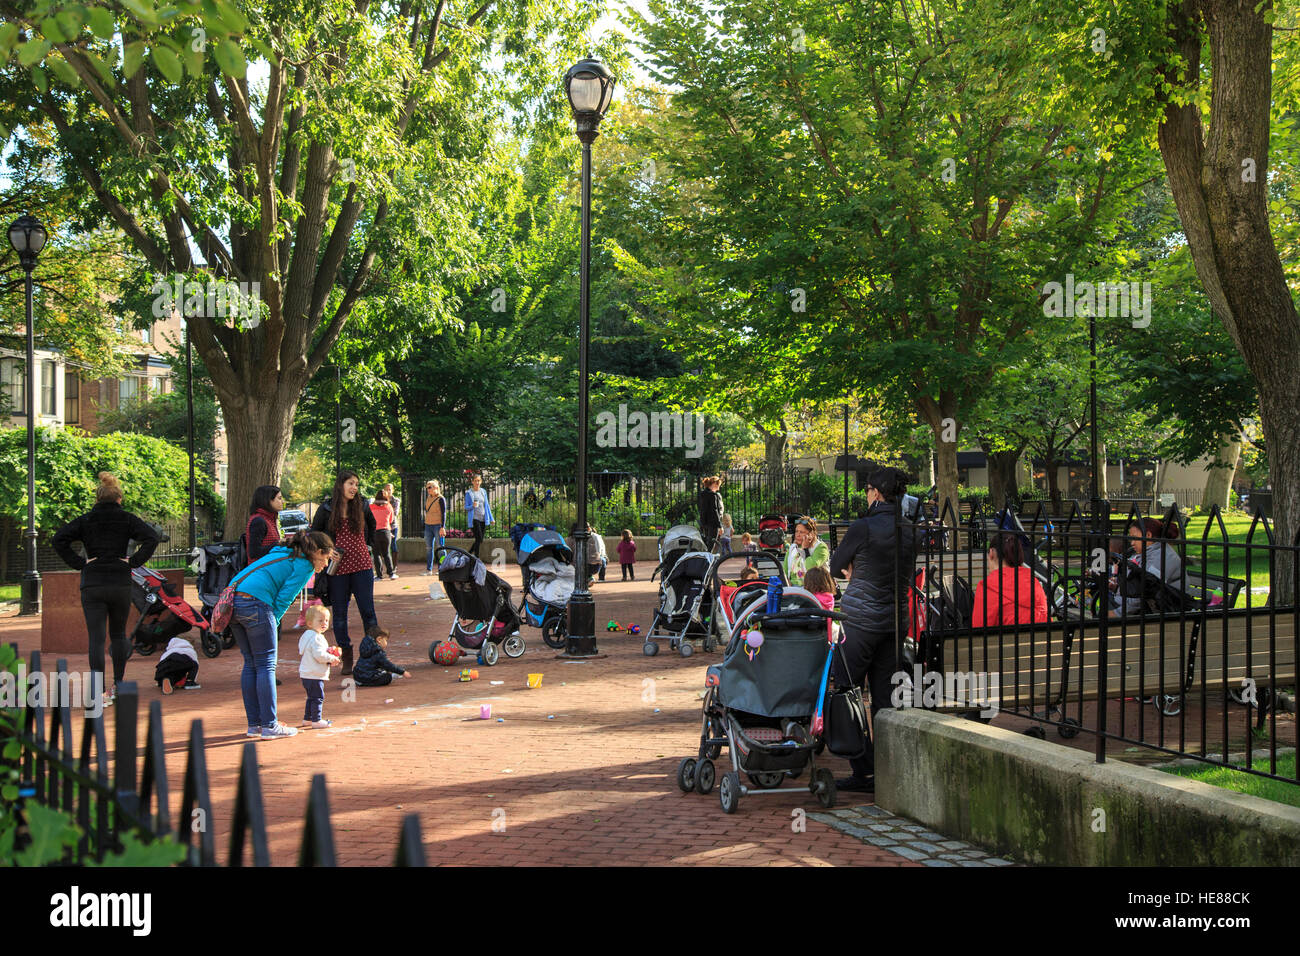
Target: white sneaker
(425, 574)
(393, 576)
(279, 730)
(317, 724)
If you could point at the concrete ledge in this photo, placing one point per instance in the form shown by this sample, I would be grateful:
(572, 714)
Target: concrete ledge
(413, 549)
(1037, 802)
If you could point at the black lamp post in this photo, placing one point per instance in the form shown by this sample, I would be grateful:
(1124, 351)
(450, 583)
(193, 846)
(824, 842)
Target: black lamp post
(189, 432)
(590, 88)
(28, 236)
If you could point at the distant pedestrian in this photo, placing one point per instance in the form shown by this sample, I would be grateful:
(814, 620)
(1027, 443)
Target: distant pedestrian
(262, 531)
(478, 512)
(382, 509)
(434, 507)
(345, 517)
(711, 509)
(396, 502)
(627, 555)
(724, 535)
(263, 592)
(105, 532)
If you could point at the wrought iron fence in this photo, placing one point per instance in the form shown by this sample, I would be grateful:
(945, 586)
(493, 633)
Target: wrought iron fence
(1190, 631)
(103, 792)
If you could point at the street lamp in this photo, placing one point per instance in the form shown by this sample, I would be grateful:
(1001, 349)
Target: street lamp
(28, 236)
(590, 87)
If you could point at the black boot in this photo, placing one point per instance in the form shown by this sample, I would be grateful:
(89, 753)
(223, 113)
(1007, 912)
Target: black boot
(347, 660)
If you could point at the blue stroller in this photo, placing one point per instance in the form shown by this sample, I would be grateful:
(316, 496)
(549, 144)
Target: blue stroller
(546, 562)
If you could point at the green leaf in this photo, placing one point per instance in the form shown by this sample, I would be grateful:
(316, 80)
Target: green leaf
(12, 749)
(101, 23)
(9, 792)
(39, 79)
(133, 57)
(168, 63)
(33, 51)
(8, 35)
(50, 832)
(231, 16)
(231, 58)
(71, 20)
(64, 71)
(53, 30)
(104, 69)
(194, 49)
(144, 14)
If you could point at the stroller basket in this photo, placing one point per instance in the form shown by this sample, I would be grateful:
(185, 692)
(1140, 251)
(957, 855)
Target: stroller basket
(766, 749)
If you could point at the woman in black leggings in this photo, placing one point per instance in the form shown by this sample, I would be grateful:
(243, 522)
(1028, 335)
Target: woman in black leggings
(105, 532)
(870, 548)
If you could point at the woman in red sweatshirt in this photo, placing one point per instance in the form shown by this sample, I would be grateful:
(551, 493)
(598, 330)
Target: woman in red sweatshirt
(1010, 594)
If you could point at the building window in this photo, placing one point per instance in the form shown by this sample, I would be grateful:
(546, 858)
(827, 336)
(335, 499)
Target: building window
(48, 389)
(11, 382)
(146, 335)
(71, 398)
(127, 389)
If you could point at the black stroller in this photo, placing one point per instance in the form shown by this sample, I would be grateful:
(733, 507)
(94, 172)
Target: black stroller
(217, 564)
(482, 598)
(760, 702)
(685, 606)
(676, 541)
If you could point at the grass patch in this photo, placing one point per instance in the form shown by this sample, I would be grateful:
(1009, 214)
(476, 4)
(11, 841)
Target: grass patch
(10, 592)
(1288, 793)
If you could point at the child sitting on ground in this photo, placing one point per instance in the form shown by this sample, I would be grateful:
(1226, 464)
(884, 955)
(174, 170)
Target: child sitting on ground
(373, 668)
(178, 667)
(314, 668)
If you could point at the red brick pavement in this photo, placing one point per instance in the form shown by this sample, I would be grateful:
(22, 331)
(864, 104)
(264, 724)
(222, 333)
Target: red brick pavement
(581, 771)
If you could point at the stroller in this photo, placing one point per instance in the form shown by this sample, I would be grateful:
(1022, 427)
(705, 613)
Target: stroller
(731, 595)
(771, 534)
(217, 563)
(482, 598)
(547, 566)
(163, 615)
(676, 541)
(685, 605)
(760, 704)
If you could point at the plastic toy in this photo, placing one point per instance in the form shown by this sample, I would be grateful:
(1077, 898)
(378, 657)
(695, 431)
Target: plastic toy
(445, 653)
(612, 626)
(634, 629)
(468, 674)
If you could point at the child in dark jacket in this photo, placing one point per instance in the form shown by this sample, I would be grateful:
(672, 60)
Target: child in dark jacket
(373, 668)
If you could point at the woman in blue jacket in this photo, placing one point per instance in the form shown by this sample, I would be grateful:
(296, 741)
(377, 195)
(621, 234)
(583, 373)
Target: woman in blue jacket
(478, 512)
(263, 592)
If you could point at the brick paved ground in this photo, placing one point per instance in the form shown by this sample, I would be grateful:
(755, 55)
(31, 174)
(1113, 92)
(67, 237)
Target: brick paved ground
(582, 770)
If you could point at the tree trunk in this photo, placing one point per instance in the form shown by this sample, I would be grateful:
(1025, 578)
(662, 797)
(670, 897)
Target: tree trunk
(1219, 182)
(1054, 483)
(258, 433)
(1002, 476)
(1224, 467)
(1103, 490)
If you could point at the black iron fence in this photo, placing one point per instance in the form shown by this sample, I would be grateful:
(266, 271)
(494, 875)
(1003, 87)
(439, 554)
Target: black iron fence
(1158, 631)
(643, 504)
(107, 798)
(173, 552)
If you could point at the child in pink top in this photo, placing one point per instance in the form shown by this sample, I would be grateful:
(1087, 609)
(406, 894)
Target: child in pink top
(819, 582)
(627, 556)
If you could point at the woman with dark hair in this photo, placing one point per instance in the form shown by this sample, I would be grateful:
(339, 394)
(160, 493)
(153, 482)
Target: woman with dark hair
(873, 550)
(1152, 552)
(263, 592)
(1009, 594)
(711, 508)
(262, 532)
(806, 552)
(384, 514)
(105, 532)
(345, 517)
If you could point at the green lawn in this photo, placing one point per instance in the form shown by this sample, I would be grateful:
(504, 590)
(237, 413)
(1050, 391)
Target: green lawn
(1288, 793)
(9, 592)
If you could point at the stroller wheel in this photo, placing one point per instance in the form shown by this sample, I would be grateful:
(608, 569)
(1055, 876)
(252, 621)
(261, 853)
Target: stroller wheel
(704, 776)
(1170, 705)
(1069, 728)
(729, 792)
(489, 653)
(513, 646)
(211, 644)
(228, 640)
(686, 650)
(686, 775)
(823, 785)
(766, 780)
(554, 632)
(144, 648)
(649, 648)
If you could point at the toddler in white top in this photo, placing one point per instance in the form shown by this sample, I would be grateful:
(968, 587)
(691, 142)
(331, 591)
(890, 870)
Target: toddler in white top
(314, 669)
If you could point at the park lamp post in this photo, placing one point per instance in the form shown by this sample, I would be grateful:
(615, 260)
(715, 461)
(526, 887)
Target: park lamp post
(590, 87)
(28, 236)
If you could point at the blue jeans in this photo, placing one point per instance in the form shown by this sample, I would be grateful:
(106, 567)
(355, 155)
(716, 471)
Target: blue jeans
(343, 587)
(256, 634)
(432, 540)
(315, 698)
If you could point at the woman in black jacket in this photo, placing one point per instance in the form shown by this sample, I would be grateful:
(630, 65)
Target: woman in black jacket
(871, 549)
(711, 507)
(346, 517)
(105, 532)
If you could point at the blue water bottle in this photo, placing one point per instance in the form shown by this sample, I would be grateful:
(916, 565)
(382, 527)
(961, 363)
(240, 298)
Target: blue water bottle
(774, 590)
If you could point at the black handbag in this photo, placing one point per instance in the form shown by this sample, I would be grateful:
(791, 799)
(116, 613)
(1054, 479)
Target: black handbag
(846, 721)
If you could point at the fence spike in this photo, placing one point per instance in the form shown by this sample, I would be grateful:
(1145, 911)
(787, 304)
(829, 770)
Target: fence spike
(154, 776)
(317, 834)
(250, 814)
(410, 846)
(195, 798)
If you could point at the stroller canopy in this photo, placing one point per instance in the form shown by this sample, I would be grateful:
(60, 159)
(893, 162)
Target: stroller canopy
(782, 676)
(681, 538)
(536, 545)
(458, 565)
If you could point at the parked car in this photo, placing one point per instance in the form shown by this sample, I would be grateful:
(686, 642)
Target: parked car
(292, 521)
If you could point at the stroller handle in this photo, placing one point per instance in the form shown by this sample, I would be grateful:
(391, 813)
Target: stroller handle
(796, 617)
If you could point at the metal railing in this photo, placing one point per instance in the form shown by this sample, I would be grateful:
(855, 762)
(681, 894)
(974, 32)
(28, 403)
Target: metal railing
(107, 798)
(1192, 639)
